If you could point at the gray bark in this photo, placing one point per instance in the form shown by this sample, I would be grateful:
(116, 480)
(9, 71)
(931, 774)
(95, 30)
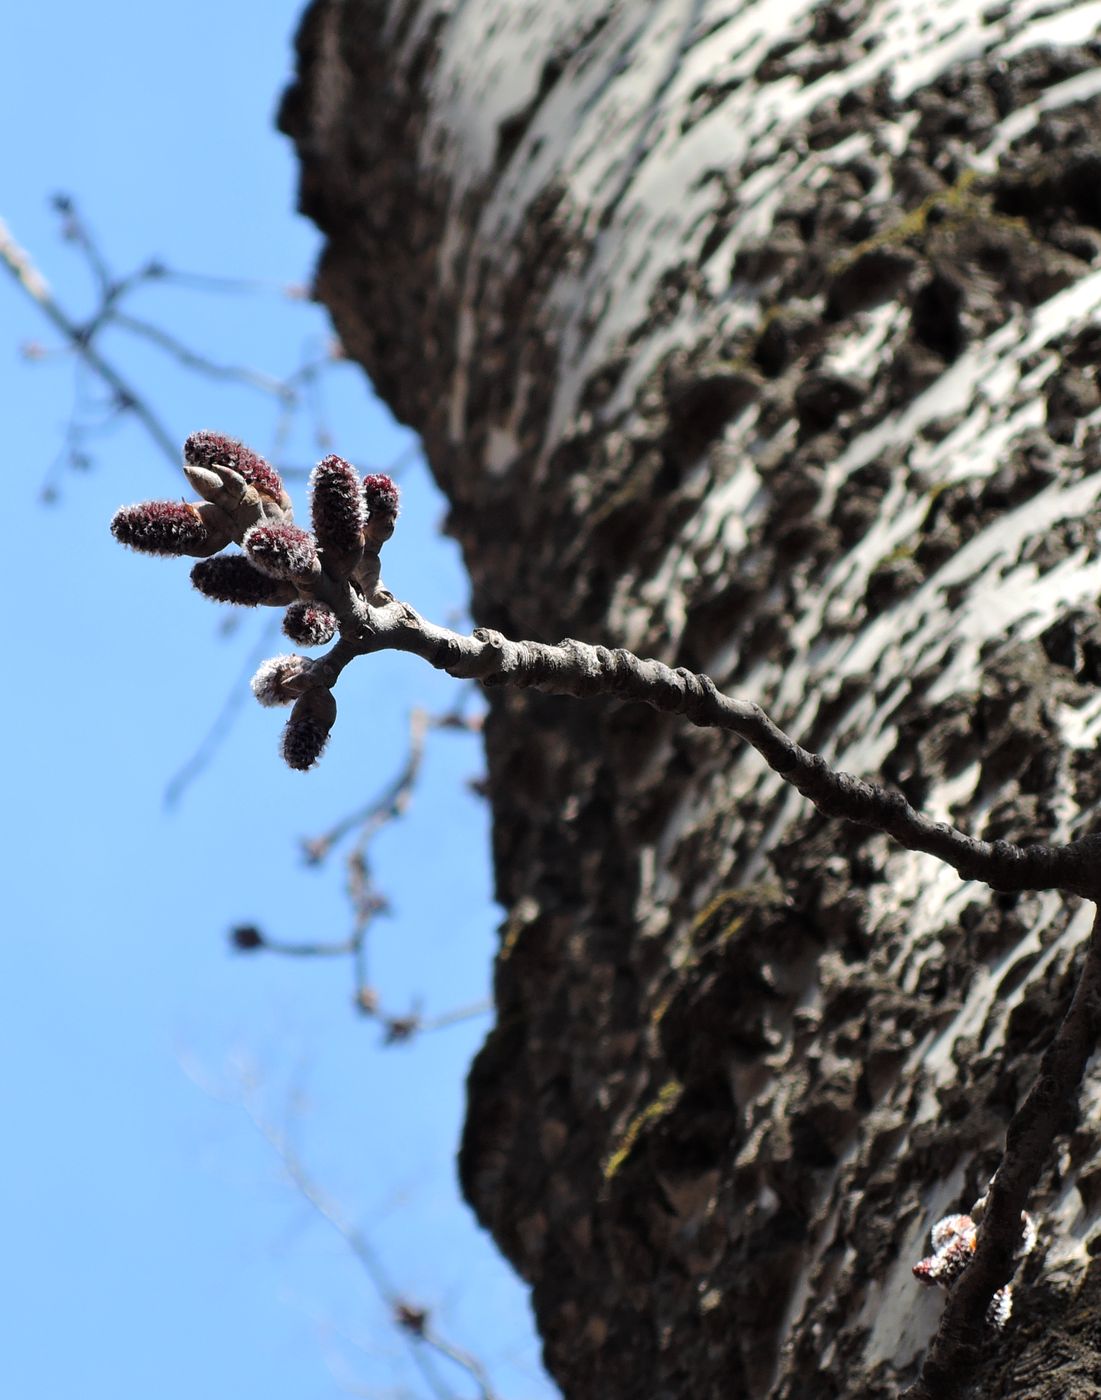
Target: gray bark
(759, 338)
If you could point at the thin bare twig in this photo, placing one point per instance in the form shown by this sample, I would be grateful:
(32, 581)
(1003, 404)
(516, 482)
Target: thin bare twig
(75, 230)
(400, 1028)
(83, 337)
(202, 364)
(413, 1322)
(126, 398)
(247, 938)
(209, 282)
(366, 899)
(220, 727)
(394, 800)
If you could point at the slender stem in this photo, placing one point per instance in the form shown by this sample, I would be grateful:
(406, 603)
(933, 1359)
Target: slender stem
(421, 1338)
(201, 364)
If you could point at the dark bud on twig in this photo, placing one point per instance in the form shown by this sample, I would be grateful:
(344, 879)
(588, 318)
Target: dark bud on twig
(401, 1028)
(283, 551)
(338, 511)
(230, 578)
(281, 680)
(212, 450)
(170, 528)
(307, 730)
(412, 1318)
(309, 624)
(246, 938)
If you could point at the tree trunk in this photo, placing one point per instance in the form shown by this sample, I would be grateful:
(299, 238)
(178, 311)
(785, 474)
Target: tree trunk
(755, 337)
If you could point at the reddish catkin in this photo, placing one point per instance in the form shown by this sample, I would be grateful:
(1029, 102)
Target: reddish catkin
(230, 578)
(307, 730)
(309, 624)
(281, 565)
(337, 506)
(954, 1240)
(206, 449)
(164, 527)
(381, 495)
(283, 551)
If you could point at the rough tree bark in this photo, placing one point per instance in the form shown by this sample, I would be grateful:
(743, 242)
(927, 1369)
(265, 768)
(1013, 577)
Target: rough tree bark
(753, 335)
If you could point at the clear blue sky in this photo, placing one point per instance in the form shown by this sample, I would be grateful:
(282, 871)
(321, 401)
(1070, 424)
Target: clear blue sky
(152, 1245)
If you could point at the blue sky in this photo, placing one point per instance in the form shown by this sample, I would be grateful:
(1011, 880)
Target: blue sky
(153, 1244)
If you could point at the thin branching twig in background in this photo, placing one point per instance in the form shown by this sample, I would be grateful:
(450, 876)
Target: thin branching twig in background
(393, 801)
(83, 337)
(366, 899)
(125, 398)
(413, 1322)
(221, 726)
(422, 1338)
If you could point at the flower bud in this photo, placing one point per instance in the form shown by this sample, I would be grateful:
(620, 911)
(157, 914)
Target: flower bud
(213, 450)
(309, 624)
(307, 730)
(246, 938)
(230, 578)
(283, 551)
(337, 506)
(380, 494)
(381, 497)
(168, 528)
(222, 487)
(280, 680)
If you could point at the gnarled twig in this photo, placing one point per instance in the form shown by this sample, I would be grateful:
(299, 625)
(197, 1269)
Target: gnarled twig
(577, 669)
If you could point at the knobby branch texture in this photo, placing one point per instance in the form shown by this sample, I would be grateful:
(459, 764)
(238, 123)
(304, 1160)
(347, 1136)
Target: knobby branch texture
(329, 582)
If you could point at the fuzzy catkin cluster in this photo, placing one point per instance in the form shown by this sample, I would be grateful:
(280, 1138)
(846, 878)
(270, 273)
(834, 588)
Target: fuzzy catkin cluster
(244, 502)
(954, 1240)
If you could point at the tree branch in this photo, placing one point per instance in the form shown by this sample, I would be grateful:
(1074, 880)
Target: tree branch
(366, 900)
(577, 669)
(84, 336)
(18, 262)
